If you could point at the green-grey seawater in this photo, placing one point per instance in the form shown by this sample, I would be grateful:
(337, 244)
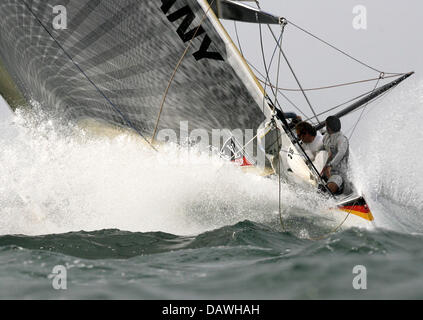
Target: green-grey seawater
(177, 225)
(243, 261)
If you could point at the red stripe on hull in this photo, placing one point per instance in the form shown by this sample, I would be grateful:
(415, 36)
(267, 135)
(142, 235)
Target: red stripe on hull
(363, 209)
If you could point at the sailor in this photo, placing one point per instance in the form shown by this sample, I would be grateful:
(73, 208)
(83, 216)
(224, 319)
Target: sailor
(295, 119)
(291, 116)
(311, 138)
(337, 146)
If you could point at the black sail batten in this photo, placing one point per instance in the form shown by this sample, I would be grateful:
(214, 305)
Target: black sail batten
(231, 10)
(368, 98)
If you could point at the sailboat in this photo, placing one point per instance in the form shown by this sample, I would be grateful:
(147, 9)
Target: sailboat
(149, 66)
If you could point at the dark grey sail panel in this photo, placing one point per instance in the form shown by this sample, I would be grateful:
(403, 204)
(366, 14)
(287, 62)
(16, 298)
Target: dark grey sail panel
(231, 10)
(129, 50)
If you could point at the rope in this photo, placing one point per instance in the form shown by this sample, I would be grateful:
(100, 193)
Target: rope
(280, 188)
(327, 235)
(176, 70)
(330, 86)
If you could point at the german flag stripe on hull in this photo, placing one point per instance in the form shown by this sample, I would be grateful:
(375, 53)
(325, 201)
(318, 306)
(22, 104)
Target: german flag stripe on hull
(359, 208)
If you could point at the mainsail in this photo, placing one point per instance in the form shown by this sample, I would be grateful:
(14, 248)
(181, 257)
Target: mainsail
(114, 61)
(231, 10)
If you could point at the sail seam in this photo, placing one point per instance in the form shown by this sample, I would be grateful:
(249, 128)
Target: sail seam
(129, 123)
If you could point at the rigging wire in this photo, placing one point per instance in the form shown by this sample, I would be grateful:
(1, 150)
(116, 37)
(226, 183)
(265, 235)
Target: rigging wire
(349, 213)
(260, 73)
(267, 77)
(383, 95)
(267, 83)
(365, 106)
(264, 97)
(295, 76)
(359, 96)
(279, 133)
(237, 38)
(339, 50)
(319, 88)
(333, 86)
(335, 48)
(342, 104)
(265, 69)
(373, 101)
(279, 65)
(281, 93)
(279, 176)
(304, 154)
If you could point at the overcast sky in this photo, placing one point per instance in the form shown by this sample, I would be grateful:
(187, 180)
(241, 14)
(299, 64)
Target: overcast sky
(391, 43)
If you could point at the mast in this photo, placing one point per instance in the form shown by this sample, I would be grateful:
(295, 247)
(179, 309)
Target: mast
(367, 98)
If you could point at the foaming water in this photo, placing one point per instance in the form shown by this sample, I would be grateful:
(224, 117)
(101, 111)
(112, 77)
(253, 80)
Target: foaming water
(179, 224)
(56, 179)
(391, 160)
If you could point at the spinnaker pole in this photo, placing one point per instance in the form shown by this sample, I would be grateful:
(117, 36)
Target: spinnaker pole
(367, 98)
